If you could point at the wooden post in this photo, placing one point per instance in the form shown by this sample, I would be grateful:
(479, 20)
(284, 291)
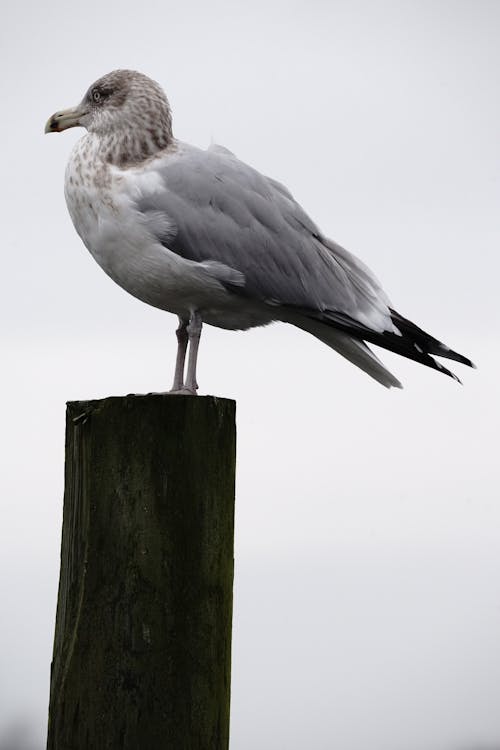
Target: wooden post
(142, 643)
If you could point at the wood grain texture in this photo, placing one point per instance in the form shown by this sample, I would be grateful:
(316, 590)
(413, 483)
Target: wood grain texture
(142, 644)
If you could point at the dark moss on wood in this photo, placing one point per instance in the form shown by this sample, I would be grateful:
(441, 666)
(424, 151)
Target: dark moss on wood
(142, 644)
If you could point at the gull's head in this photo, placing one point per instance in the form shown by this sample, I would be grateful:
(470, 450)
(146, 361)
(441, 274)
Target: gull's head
(124, 104)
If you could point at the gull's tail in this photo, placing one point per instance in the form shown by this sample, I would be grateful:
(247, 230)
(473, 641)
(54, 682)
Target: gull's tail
(354, 350)
(348, 337)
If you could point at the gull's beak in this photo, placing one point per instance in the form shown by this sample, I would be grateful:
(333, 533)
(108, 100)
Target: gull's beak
(68, 118)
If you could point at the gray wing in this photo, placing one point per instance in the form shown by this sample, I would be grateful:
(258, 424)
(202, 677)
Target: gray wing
(228, 214)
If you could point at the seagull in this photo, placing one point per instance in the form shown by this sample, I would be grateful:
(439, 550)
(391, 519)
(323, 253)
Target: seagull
(201, 234)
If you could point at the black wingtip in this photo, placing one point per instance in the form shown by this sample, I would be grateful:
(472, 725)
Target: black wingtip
(444, 351)
(456, 378)
(409, 340)
(438, 366)
(424, 340)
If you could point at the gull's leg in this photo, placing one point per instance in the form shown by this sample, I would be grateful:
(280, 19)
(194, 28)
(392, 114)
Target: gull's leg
(182, 342)
(194, 333)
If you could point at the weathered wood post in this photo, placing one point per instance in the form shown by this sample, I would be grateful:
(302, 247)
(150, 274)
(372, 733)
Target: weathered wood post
(142, 643)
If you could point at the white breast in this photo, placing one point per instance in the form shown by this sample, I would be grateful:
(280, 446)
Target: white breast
(101, 202)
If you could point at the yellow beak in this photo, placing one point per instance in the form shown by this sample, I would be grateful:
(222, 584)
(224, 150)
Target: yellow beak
(68, 118)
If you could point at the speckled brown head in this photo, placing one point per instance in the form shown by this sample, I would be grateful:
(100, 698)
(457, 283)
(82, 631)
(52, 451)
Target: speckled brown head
(128, 112)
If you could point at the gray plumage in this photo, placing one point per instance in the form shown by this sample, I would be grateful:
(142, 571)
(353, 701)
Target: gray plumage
(203, 235)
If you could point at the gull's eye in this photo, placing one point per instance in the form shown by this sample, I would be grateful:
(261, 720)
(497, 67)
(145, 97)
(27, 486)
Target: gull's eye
(96, 95)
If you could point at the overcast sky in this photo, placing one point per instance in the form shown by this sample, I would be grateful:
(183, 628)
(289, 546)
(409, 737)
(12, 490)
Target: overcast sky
(367, 604)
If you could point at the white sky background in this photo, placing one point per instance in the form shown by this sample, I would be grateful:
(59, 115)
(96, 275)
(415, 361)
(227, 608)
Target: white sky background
(367, 605)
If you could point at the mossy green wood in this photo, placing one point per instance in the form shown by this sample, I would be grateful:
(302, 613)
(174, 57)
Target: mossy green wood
(142, 644)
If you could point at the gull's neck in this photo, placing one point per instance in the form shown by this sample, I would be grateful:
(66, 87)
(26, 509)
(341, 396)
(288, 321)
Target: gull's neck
(134, 142)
